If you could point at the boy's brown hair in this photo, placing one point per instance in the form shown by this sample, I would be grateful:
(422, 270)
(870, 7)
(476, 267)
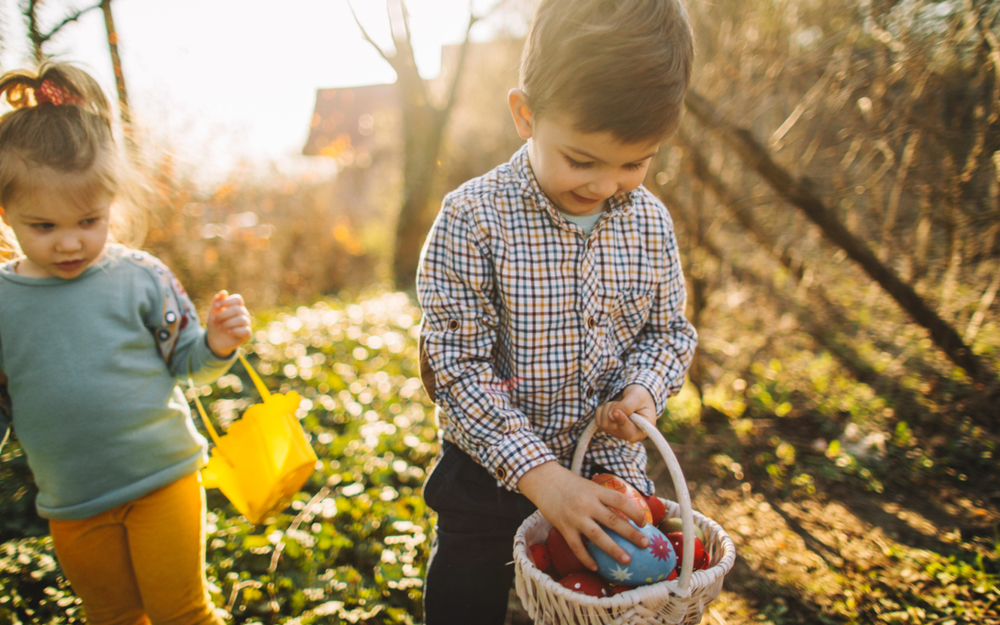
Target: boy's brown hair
(618, 66)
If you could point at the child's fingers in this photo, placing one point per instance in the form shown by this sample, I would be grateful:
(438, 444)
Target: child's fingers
(241, 323)
(229, 312)
(241, 332)
(626, 429)
(610, 520)
(577, 546)
(236, 326)
(221, 302)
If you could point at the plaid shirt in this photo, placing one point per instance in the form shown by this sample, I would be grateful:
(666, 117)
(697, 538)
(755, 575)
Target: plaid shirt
(529, 324)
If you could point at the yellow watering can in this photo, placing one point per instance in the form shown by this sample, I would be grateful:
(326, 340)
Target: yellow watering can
(264, 458)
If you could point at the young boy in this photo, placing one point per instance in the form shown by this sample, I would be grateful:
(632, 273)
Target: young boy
(552, 293)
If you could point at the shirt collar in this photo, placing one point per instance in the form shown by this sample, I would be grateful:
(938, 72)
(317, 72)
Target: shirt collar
(620, 204)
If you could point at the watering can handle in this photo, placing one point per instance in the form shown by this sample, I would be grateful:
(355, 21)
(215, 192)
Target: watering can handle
(264, 393)
(261, 388)
(203, 414)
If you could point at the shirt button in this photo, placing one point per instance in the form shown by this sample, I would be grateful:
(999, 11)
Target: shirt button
(453, 325)
(501, 473)
(591, 323)
(590, 392)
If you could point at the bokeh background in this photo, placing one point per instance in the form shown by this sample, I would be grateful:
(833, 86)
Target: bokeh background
(835, 186)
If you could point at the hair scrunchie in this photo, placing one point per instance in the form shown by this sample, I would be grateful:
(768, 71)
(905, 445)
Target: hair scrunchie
(55, 94)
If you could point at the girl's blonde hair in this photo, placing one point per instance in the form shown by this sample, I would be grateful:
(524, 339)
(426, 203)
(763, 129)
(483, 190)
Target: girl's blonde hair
(68, 134)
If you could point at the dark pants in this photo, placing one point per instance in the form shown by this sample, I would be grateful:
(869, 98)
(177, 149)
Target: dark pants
(471, 567)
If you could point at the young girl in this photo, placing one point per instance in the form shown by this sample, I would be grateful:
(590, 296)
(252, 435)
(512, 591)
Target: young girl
(93, 339)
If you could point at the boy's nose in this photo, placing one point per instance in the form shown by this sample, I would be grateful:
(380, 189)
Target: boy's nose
(604, 187)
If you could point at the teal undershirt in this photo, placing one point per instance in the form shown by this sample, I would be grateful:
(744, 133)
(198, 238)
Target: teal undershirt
(94, 404)
(586, 222)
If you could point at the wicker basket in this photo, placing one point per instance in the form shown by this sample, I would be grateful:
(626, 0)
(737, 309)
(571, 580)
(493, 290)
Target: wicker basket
(676, 602)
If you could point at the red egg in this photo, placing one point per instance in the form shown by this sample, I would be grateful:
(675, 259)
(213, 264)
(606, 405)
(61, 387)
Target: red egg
(540, 556)
(616, 483)
(617, 589)
(677, 540)
(656, 508)
(586, 583)
(562, 556)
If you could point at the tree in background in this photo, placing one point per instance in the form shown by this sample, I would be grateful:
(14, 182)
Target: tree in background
(878, 124)
(424, 123)
(39, 37)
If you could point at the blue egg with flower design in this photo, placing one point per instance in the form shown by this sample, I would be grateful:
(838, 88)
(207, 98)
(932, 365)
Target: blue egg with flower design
(650, 565)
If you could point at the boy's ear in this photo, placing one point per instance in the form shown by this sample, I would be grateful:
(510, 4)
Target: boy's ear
(524, 119)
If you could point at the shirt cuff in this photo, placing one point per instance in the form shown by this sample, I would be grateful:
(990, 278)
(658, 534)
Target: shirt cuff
(217, 358)
(515, 455)
(206, 367)
(652, 382)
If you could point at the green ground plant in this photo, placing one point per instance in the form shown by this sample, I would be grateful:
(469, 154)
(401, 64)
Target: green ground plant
(846, 505)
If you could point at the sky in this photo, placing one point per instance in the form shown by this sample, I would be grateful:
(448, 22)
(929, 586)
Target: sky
(220, 81)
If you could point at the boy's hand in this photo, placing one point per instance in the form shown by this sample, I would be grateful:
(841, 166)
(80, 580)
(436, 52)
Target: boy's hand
(228, 324)
(575, 506)
(612, 417)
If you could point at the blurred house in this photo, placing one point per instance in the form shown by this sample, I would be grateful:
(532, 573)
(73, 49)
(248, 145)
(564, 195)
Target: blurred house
(356, 125)
(347, 122)
(360, 127)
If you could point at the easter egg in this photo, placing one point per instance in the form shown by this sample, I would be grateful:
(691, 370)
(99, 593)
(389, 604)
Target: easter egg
(677, 540)
(617, 589)
(674, 524)
(647, 566)
(540, 556)
(586, 583)
(563, 558)
(616, 483)
(656, 508)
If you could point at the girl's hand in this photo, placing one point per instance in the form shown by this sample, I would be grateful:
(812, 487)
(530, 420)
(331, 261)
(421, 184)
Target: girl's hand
(612, 417)
(228, 324)
(578, 508)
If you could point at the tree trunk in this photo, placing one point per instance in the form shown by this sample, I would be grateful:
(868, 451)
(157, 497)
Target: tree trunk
(798, 191)
(116, 63)
(423, 129)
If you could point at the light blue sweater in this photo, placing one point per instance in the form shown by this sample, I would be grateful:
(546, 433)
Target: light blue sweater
(93, 365)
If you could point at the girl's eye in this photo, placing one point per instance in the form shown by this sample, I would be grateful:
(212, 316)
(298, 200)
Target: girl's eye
(41, 226)
(90, 221)
(633, 166)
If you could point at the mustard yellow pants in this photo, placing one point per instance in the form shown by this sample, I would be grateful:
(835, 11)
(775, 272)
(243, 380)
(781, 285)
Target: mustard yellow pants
(142, 562)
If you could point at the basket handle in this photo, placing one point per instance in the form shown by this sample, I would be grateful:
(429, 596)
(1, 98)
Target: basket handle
(680, 485)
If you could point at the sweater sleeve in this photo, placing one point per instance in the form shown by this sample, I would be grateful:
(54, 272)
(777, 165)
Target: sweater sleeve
(5, 416)
(179, 335)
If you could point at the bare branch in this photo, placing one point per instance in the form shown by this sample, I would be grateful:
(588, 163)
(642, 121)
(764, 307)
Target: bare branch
(406, 22)
(367, 37)
(984, 304)
(72, 17)
(463, 54)
(800, 193)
